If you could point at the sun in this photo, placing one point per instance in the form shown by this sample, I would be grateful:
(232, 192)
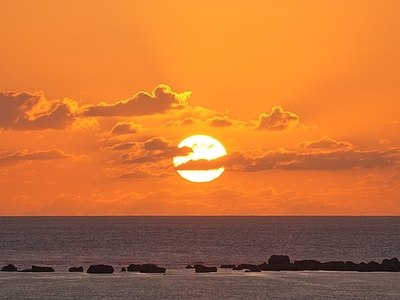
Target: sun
(203, 163)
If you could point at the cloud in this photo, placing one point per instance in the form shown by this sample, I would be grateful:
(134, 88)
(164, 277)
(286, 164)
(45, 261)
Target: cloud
(161, 100)
(278, 119)
(325, 143)
(126, 128)
(203, 164)
(7, 159)
(339, 157)
(154, 150)
(121, 146)
(142, 173)
(189, 121)
(31, 111)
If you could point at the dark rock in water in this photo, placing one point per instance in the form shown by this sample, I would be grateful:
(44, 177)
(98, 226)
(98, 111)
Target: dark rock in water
(279, 260)
(189, 267)
(391, 265)
(309, 265)
(228, 266)
(41, 269)
(253, 268)
(25, 270)
(123, 269)
(351, 266)
(245, 266)
(75, 269)
(334, 266)
(134, 268)
(151, 268)
(9, 268)
(100, 269)
(204, 269)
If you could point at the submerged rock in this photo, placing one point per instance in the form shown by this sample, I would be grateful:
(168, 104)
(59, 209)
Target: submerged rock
(75, 269)
(9, 268)
(100, 269)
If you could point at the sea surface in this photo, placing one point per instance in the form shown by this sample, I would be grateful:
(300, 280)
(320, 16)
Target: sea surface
(174, 242)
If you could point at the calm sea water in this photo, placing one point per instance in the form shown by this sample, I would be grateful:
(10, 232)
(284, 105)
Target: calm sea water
(174, 242)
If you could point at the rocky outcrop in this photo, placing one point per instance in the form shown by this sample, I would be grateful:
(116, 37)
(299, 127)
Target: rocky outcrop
(189, 267)
(123, 269)
(204, 269)
(151, 268)
(145, 268)
(100, 269)
(134, 268)
(9, 268)
(75, 269)
(41, 269)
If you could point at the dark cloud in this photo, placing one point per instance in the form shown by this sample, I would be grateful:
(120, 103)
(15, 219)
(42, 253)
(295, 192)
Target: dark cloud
(159, 101)
(326, 143)
(27, 111)
(203, 164)
(157, 143)
(126, 128)
(185, 122)
(324, 160)
(139, 173)
(8, 159)
(121, 146)
(221, 122)
(154, 150)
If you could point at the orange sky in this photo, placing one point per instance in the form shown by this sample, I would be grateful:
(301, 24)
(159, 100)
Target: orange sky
(96, 96)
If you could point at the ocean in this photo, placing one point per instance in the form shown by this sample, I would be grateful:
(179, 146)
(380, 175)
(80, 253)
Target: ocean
(174, 242)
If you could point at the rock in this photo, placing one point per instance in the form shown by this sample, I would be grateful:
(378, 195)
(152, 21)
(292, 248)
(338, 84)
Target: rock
(41, 269)
(123, 269)
(228, 266)
(391, 265)
(204, 269)
(100, 269)
(134, 268)
(151, 268)
(245, 266)
(189, 267)
(279, 260)
(75, 269)
(9, 268)
(307, 265)
(253, 268)
(334, 266)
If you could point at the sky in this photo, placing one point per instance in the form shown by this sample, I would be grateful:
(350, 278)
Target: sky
(95, 96)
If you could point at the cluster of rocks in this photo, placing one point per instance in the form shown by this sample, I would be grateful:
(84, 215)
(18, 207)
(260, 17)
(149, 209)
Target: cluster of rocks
(275, 263)
(282, 263)
(93, 269)
(12, 268)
